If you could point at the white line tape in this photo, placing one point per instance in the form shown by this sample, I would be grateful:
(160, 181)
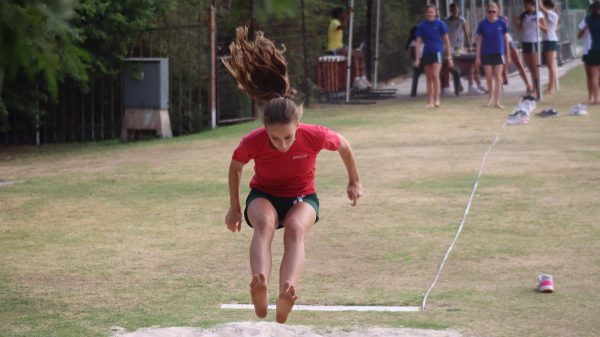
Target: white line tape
(300, 307)
(462, 223)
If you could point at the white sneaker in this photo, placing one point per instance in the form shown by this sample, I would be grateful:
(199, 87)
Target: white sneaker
(473, 90)
(482, 89)
(578, 110)
(527, 106)
(366, 82)
(446, 92)
(518, 117)
(359, 84)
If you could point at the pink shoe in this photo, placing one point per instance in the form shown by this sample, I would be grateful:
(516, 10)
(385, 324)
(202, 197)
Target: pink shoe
(545, 284)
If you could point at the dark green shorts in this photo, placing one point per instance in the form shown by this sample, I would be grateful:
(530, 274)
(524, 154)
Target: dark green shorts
(281, 205)
(549, 46)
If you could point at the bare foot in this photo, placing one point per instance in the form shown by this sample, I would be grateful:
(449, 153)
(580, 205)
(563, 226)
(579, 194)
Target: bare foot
(489, 102)
(285, 302)
(260, 295)
(429, 106)
(499, 106)
(437, 104)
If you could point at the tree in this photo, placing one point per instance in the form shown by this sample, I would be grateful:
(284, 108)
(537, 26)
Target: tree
(111, 27)
(38, 47)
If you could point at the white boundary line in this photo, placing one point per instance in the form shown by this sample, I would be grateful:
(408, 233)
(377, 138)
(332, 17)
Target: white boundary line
(462, 223)
(300, 307)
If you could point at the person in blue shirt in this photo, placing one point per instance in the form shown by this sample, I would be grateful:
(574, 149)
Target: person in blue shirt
(492, 52)
(432, 34)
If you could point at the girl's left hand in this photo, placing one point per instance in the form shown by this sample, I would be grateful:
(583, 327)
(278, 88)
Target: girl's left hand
(355, 191)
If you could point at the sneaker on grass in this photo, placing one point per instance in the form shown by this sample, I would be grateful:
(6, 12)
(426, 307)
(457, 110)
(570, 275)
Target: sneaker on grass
(545, 284)
(518, 117)
(578, 110)
(548, 113)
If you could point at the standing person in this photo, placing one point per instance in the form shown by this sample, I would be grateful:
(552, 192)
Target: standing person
(432, 33)
(458, 33)
(592, 22)
(528, 24)
(410, 47)
(584, 34)
(550, 43)
(284, 151)
(492, 52)
(515, 58)
(335, 46)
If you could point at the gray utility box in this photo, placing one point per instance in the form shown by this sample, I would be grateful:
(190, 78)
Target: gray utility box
(146, 96)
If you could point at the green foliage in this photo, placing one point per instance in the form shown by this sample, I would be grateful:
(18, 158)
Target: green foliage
(110, 28)
(38, 48)
(579, 4)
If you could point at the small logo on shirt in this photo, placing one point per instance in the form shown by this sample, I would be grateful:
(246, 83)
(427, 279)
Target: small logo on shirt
(299, 156)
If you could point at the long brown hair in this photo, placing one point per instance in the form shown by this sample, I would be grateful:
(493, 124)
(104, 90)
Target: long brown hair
(260, 70)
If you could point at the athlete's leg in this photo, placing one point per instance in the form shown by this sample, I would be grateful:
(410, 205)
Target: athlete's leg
(588, 78)
(435, 72)
(550, 58)
(489, 79)
(498, 84)
(263, 217)
(297, 222)
(429, 75)
(515, 57)
(531, 59)
(595, 71)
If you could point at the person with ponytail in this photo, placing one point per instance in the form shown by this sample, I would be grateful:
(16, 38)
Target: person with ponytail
(284, 150)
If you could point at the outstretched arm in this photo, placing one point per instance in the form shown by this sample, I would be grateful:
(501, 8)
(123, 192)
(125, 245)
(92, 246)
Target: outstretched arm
(233, 219)
(354, 189)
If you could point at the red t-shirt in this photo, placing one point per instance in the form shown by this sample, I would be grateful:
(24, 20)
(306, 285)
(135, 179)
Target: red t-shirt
(291, 173)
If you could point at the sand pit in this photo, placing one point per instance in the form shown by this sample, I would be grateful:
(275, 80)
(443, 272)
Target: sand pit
(266, 329)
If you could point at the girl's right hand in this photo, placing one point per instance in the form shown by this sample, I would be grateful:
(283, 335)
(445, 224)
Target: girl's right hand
(416, 63)
(233, 219)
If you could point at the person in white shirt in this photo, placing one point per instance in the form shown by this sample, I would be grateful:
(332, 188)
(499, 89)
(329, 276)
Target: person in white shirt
(528, 24)
(550, 44)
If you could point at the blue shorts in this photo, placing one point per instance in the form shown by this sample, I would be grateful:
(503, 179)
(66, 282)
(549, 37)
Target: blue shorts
(281, 204)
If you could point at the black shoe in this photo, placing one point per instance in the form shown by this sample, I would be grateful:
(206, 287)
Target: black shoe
(548, 113)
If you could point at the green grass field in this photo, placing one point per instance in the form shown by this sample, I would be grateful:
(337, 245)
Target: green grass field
(132, 235)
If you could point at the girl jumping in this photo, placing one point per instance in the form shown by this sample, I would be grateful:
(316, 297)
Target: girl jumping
(284, 151)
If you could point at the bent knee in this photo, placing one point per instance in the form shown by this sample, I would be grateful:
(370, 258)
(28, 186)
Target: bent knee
(264, 223)
(294, 230)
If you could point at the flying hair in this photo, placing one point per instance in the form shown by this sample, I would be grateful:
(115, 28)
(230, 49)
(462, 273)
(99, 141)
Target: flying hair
(259, 67)
(260, 70)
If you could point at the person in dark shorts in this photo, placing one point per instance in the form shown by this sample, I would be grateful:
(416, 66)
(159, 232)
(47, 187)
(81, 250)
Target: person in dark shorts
(592, 59)
(550, 44)
(492, 52)
(528, 24)
(284, 152)
(584, 34)
(432, 34)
